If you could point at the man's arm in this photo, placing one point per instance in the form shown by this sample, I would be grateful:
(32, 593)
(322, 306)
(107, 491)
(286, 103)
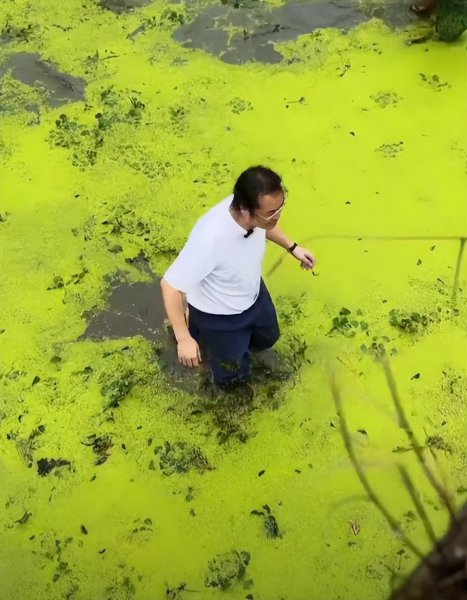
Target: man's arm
(196, 260)
(305, 257)
(188, 349)
(277, 236)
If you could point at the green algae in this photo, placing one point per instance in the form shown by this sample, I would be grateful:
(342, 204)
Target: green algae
(367, 131)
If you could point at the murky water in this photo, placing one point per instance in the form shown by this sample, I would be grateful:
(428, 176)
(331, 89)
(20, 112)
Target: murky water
(121, 123)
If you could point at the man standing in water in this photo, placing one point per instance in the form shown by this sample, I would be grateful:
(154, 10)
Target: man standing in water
(230, 310)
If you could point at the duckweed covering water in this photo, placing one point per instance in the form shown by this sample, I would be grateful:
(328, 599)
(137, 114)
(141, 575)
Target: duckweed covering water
(119, 478)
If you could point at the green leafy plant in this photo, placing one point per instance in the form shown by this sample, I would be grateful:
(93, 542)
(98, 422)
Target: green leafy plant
(82, 140)
(434, 81)
(347, 324)
(117, 389)
(85, 140)
(410, 322)
(238, 105)
(290, 309)
(21, 33)
(378, 347)
(172, 17)
(224, 570)
(181, 457)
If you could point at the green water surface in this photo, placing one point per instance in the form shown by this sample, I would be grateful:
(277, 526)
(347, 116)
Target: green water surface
(369, 133)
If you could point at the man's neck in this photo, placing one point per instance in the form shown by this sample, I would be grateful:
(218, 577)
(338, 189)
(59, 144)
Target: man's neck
(240, 219)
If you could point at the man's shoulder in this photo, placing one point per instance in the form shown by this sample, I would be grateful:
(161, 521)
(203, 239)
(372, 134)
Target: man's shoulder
(215, 220)
(219, 211)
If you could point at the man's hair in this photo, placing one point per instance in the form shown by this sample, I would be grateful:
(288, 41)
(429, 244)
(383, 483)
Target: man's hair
(252, 184)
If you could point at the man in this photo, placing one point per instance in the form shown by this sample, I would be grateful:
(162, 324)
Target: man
(230, 310)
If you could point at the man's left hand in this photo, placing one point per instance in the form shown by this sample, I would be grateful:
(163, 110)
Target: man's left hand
(306, 258)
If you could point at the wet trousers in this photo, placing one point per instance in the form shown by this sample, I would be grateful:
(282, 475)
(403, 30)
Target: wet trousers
(227, 340)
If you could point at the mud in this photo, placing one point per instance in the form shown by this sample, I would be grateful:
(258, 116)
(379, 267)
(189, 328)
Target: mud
(260, 28)
(249, 32)
(31, 69)
(123, 6)
(138, 310)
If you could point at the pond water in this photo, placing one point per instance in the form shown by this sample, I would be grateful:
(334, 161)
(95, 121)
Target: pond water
(121, 123)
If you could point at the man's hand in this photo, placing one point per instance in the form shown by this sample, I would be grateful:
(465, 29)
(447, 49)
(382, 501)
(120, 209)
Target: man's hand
(308, 261)
(188, 352)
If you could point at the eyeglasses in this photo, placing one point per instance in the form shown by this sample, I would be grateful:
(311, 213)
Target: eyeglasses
(274, 215)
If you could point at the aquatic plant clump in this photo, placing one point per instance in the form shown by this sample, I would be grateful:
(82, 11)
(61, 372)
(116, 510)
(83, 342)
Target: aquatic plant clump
(415, 322)
(180, 457)
(348, 325)
(225, 570)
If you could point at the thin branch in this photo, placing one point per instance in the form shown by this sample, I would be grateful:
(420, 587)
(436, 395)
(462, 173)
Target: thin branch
(440, 472)
(418, 505)
(361, 475)
(458, 267)
(389, 238)
(403, 422)
(443, 573)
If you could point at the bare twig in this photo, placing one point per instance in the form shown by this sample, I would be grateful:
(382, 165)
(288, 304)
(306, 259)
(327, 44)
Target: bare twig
(441, 473)
(388, 238)
(442, 575)
(361, 475)
(403, 422)
(418, 505)
(460, 254)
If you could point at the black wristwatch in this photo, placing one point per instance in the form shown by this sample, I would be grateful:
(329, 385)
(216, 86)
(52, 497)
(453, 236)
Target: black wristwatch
(292, 247)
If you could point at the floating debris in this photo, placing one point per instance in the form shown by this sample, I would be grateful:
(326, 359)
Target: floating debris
(354, 526)
(100, 445)
(436, 442)
(22, 520)
(270, 523)
(46, 465)
(176, 592)
(26, 447)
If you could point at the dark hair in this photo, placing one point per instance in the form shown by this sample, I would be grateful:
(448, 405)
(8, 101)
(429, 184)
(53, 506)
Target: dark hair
(252, 184)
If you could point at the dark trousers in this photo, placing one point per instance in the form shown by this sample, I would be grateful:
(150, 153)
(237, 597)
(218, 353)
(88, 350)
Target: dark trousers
(228, 339)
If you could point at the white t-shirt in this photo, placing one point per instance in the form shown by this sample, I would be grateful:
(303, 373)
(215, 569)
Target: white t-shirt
(219, 269)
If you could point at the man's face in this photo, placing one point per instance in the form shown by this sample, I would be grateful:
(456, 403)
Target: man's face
(269, 211)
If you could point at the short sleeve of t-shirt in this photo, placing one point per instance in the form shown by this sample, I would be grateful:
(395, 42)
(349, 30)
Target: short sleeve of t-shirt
(195, 261)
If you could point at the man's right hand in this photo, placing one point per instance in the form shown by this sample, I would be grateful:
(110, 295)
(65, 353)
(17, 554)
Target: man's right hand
(188, 352)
